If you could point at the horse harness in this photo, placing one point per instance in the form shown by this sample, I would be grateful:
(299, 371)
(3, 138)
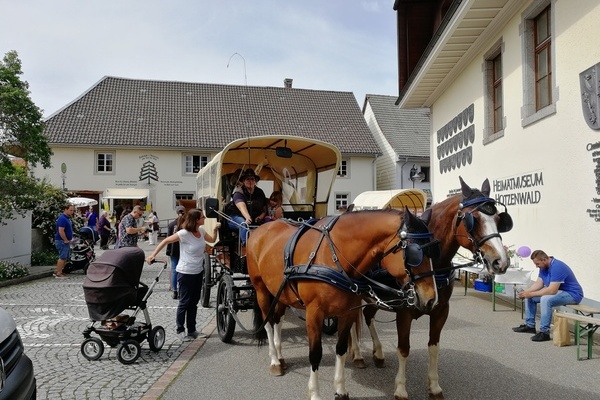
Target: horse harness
(487, 206)
(339, 278)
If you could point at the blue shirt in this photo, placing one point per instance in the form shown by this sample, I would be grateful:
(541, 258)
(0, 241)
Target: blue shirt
(65, 222)
(560, 272)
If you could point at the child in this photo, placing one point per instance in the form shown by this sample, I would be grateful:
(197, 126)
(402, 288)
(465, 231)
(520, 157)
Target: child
(274, 209)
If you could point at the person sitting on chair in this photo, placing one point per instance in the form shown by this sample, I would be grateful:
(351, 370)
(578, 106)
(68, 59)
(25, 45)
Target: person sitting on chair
(249, 205)
(274, 208)
(556, 286)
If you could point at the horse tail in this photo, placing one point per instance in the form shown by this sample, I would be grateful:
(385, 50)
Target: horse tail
(260, 334)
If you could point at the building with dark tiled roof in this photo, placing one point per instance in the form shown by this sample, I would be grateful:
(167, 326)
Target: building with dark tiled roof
(153, 136)
(403, 136)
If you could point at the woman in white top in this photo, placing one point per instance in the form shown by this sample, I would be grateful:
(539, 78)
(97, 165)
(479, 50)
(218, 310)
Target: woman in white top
(153, 222)
(192, 240)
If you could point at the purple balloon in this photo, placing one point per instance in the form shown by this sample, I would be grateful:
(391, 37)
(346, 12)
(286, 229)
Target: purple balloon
(523, 251)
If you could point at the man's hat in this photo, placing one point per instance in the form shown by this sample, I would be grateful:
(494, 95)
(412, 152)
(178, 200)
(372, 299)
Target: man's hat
(248, 174)
(180, 210)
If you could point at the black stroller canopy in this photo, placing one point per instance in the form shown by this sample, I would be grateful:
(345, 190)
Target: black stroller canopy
(111, 283)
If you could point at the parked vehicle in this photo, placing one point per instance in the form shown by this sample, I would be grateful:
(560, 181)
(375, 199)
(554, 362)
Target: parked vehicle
(16, 369)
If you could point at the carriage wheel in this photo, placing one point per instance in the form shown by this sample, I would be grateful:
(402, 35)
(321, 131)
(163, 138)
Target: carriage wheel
(225, 321)
(330, 325)
(206, 281)
(156, 338)
(92, 348)
(128, 351)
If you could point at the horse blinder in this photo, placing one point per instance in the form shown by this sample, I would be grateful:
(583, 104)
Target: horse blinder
(505, 222)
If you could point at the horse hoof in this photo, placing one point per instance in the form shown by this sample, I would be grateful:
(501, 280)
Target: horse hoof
(276, 370)
(359, 363)
(379, 362)
(341, 397)
(436, 396)
(283, 364)
(400, 398)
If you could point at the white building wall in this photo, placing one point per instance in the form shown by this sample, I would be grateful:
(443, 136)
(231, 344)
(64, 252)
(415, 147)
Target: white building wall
(169, 168)
(15, 236)
(386, 163)
(128, 165)
(360, 179)
(555, 149)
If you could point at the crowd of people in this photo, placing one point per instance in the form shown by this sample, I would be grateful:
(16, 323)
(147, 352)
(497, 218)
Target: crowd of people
(185, 242)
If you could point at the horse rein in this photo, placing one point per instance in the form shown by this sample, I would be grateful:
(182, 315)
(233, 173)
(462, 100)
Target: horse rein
(460, 217)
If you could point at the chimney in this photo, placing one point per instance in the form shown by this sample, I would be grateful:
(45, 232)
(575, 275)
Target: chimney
(287, 83)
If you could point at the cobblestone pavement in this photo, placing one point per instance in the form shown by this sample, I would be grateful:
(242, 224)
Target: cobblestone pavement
(51, 315)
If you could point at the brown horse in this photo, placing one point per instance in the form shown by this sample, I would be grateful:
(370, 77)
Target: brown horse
(323, 271)
(470, 220)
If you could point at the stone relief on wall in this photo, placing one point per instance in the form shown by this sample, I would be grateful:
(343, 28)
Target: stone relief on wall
(455, 140)
(590, 91)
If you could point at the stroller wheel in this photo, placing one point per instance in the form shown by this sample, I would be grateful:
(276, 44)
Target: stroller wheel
(128, 351)
(92, 348)
(156, 338)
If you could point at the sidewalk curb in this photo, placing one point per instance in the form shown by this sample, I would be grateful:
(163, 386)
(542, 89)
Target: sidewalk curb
(27, 278)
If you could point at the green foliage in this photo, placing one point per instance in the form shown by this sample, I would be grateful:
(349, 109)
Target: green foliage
(12, 270)
(21, 135)
(46, 257)
(21, 124)
(50, 204)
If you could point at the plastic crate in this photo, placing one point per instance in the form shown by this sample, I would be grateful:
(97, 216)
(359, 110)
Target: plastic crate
(482, 286)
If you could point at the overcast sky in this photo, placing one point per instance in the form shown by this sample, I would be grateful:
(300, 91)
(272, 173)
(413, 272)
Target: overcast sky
(67, 46)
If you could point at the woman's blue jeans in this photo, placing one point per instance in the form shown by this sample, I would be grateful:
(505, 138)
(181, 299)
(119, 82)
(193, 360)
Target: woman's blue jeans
(546, 302)
(239, 225)
(174, 262)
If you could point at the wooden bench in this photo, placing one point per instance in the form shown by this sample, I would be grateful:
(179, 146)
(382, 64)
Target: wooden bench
(583, 314)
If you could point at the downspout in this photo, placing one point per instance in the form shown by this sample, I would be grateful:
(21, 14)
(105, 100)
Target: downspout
(374, 169)
(402, 172)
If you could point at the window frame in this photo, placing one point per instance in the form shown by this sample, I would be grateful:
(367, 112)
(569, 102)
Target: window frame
(192, 155)
(344, 167)
(529, 111)
(97, 154)
(341, 208)
(492, 84)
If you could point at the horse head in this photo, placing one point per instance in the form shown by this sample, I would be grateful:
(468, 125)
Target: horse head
(413, 252)
(479, 224)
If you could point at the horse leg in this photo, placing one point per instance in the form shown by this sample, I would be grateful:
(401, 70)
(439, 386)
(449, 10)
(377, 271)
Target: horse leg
(345, 325)
(437, 320)
(315, 354)
(277, 342)
(355, 353)
(274, 353)
(378, 357)
(403, 323)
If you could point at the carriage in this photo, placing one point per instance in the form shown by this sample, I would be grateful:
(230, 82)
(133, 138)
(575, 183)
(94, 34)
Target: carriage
(302, 169)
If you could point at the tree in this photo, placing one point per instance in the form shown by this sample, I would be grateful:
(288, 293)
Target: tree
(21, 125)
(21, 135)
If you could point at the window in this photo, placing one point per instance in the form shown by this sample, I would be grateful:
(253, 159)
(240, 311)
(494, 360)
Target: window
(193, 163)
(494, 99)
(105, 163)
(543, 68)
(540, 93)
(425, 171)
(182, 196)
(341, 202)
(343, 170)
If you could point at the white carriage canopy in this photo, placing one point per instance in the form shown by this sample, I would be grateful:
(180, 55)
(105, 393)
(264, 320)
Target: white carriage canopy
(304, 171)
(414, 199)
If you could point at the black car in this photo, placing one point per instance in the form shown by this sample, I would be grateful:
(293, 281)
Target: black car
(17, 380)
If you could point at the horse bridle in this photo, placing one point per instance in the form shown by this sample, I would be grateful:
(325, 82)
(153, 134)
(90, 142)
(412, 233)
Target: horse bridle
(414, 252)
(486, 205)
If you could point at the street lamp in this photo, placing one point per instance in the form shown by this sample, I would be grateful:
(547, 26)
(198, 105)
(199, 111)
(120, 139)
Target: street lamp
(415, 175)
